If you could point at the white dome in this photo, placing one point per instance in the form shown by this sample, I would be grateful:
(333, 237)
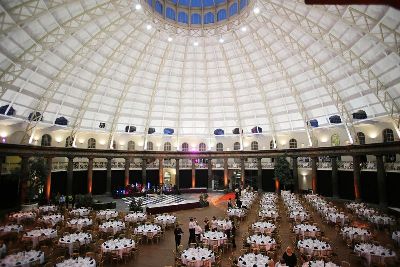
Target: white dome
(99, 61)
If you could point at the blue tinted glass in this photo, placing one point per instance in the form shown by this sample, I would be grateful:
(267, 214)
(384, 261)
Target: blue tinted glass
(208, 3)
(208, 18)
(195, 3)
(183, 2)
(218, 2)
(233, 9)
(221, 15)
(196, 19)
(183, 17)
(150, 2)
(159, 7)
(170, 13)
(243, 4)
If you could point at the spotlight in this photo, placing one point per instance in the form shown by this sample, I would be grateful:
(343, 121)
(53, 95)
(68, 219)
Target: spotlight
(221, 40)
(170, 39)
(149, 26)
(195, 43)
(243, 29)
(256, 10)
(138, 6)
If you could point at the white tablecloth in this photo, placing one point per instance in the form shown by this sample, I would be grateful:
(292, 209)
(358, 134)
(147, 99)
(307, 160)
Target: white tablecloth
(306, 230)
(136, 217)
(40, 234)
(213, 238)
(263, 227)
(396, 236)
(148, 229)
(337, 217)
(319, 264)
(378, 219)
(223, 225)
(165, 219)
(11, 228)
(45, 209)
(82, 212)
(236, 212)
(78, 262)
(112, 227)
(299, 215)
(22, 259)
(107, 214)
(3, 250)
(313, 247)
(252, 260)
(356, 233)
(118, 246)
(373, 253)
(52, 219)
(70, 240)
(21, 216)
(79, 223)
(261, 240)
(198, 256)
(268, 214)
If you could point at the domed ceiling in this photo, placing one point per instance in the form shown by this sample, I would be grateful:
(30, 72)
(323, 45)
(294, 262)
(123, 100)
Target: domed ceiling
(277, 66)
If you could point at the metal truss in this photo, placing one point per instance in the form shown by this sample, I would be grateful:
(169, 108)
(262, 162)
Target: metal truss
(352, 58)
(259, 86)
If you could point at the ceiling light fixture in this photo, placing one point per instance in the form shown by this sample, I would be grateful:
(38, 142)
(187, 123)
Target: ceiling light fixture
(196, 44)
(170, 39)
(149, 26)
(243, 29)
(221, 40)
(256, 10)
(138, 6)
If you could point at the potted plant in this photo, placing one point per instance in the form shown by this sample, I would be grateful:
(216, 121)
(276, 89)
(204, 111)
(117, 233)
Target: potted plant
(282, 173)
(203, 200)
(136, 204)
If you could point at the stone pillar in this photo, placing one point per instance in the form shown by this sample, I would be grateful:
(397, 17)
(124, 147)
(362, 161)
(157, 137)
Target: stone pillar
(193, 173)
(314, 161)
(381, 178)
(49, 163)
(127, 166)
(24, 178)
(90, 176)
(70, 175)
(161, 171)
(335, 181)
(209, 174)
(259, 175)
(108, 181)
(242, 171)
(226, 173)
(177, 173)
(356, 177)
(295, 175)
(144, 173)
(2, 158)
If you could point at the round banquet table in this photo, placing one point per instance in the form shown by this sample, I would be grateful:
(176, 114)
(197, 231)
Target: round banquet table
(136, 217)
(46, 209)
(39, 235)
(21, 216)
(373, 253)
(263, 227)
(356, 233)
(236, 212)
(147, 229)
(11, 228)
(223, 225)
(253, 260)
(52, 219)
(319, 264)
(165, 219)
(268, 214)
(23, 259)
(396, 236)
(3, 250)
(213, 238)
(261, 240)
(75, 239)
(81, 212)
(381, 219)
(306, 230)
(78, 262)
(79, 223)
(107, 214)
(296, 215)
(314, 247)
(118, 246)
(337, 217)
(198, 257)
(113, 227)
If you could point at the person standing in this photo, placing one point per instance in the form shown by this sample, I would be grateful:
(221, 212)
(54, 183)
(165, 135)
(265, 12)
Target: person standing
(192, 226)
(178, 235)
(197, 232)
(289, 257)
(233, 234)
(206, 225)
(230, 203)
(214, 224)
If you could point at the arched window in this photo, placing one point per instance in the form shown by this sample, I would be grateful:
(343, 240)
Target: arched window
(335, 140)
(221, 14)
(170, 13)
(208, 18)
(46, 140)
(150, 2)
(254, 145)
(131, 145)
(196, 18)
(361, 138)
(271, 144)
(149, 145)
(236, 146)
(167, 146)
(185, 147)
(183, 17)
(388, 135)
(68, 141)
(292, 143)
(243, 3)
(202, 147)
(220, 147)
(159, 7)
(233, 9)
(91, 143)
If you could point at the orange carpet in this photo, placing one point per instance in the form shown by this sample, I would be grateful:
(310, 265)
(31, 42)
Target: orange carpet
(225, 198)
